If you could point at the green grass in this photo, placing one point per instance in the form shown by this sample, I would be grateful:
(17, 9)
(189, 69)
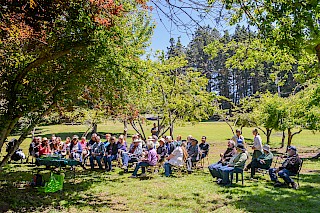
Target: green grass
(100, 192)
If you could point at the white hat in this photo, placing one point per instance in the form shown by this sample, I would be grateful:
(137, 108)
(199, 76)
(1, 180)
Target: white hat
(137, 141)
(266, 147)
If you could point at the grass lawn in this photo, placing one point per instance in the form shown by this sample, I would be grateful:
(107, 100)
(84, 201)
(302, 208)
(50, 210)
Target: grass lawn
(94, 191)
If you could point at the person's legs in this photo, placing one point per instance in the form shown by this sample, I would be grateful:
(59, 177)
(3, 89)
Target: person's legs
(143, 168)
(109, 161)
(214, 169)
(91, 162)
(225, 173)
(125, 159)
(138, 167)
(254, 164)
(98, 159)
(285, 175)
(273, 174)
(189, 165)
(167, 168)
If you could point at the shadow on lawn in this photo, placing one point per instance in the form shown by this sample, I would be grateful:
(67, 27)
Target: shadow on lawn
(270, 199)
(22, 198)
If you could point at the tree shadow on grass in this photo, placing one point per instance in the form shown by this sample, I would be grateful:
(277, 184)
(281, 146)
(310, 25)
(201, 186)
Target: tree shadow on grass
(16, 196)
(266, 198)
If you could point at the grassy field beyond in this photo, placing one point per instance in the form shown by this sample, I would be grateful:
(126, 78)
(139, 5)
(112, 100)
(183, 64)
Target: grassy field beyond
(95, 191)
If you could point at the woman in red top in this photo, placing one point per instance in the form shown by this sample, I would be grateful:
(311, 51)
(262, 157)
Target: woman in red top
(44, 148)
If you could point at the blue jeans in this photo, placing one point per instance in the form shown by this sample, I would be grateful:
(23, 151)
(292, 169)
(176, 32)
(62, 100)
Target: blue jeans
(126, 159)
(141, 164)
(108, 160)
(167, 169)
(225, 172)
(98, 159)
(284, 174)
(214, 170)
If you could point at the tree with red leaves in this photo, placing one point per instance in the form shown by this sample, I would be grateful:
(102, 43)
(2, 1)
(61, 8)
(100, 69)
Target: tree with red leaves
(50, 50)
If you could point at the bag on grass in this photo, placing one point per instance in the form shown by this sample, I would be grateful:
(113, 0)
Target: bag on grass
(55, 183)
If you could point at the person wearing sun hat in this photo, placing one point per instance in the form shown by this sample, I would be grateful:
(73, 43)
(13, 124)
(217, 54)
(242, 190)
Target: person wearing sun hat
(289, 167)
(264, 161)
(134, 153)
(236, 163)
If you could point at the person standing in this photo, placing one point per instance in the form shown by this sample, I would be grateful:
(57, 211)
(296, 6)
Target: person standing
(154, 130)
(257, 147)
(238, 138)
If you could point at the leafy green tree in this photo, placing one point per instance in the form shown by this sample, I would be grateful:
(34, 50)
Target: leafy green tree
(288, 24)
(51, 51)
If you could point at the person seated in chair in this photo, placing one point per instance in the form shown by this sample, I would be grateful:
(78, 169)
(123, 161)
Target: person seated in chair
(75, 149)
(204, 147)
(122, 145)
(235, 164)
(97, 152)
(44, 148)
(224, 159)
(193, 153)
(176, 158)
(134, 154)
(289, 167)
(111, 154)
(161, 150)
(264, 161)
(169, 144)
(150, 160)
(34, 148)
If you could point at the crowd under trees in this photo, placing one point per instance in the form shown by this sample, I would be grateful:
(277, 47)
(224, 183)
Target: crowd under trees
(82, 59)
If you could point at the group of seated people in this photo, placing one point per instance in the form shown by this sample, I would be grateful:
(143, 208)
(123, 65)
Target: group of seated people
(145, 153)
(171, 153)
(234, 158)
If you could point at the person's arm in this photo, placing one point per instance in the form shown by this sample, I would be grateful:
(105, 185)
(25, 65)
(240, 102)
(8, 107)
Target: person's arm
(79, 148)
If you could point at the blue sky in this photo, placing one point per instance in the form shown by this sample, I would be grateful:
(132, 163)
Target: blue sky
(166, 29)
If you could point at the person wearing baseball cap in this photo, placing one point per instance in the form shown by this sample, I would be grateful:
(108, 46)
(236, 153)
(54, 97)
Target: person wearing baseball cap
(289, 167)
(264, 161)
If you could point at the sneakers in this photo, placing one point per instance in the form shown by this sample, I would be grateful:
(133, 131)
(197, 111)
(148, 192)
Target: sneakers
(294, 185)
(133, 176)
(219, 181)
(143, 175)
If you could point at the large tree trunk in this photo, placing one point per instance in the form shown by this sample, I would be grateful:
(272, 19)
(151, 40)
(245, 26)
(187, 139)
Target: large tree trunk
(7, 127)
(125, 128)
(290, 136)
(317, 48)
(283, 139)
(269, 131)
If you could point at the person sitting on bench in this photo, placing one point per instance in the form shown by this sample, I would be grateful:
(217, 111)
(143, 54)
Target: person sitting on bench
(289, 167)
(264, 161)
